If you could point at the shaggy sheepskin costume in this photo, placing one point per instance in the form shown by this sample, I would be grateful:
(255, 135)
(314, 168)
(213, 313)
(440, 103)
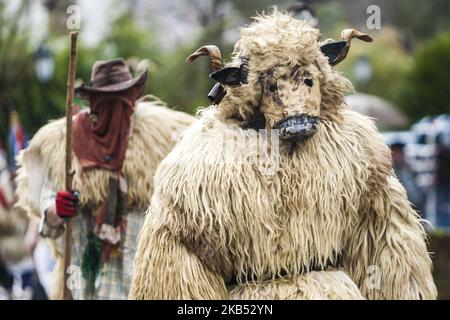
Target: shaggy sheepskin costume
(155, 130)
(13, 222)
(13, 225)
(321, 218)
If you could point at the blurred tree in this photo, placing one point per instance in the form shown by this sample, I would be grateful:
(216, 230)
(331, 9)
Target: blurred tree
(170, 78)
(12, 53)
(330, 15)
(425, 87)
(180, 85)
(126, 38)
(415, 20)
(185, 86)
(20, 88)
(57, 14)
(418, 19)
(388, 62)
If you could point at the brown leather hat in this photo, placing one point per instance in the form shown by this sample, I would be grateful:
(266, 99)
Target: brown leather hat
(111, 76)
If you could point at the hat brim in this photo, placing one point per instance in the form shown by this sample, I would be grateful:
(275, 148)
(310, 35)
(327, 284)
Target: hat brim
(84, 90)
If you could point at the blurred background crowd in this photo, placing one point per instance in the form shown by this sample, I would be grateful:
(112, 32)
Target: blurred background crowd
(401, 79)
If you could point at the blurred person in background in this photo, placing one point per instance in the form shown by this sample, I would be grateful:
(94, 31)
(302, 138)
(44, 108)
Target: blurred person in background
(406, 175)
(21, 266)
(442, 171)
(16, 266)
(6, 277)
(430, 157)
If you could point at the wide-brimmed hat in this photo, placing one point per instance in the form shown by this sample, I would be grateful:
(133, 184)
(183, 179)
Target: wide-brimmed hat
(111, 76)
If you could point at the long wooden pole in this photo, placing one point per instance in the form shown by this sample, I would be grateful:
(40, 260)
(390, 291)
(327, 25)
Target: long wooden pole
(69, 112)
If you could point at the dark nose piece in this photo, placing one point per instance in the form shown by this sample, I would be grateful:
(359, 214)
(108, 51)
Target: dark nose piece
(297, 128)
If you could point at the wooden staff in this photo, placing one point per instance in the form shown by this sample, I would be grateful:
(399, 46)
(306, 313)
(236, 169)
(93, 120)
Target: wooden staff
(69, 111)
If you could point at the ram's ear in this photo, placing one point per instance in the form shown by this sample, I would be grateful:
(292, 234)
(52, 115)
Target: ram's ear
(335, 51)
(228, 76)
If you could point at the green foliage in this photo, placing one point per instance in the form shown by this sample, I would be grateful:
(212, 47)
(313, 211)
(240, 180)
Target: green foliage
(330, 16)
(181, 85)
(425, 87)
(388, 62)
(420, 19)
(184, 86)
(20, 88)
(126, 39)
(37, 102)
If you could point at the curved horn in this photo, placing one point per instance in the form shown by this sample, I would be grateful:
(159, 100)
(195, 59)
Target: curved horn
(209, 50)
(349, 34)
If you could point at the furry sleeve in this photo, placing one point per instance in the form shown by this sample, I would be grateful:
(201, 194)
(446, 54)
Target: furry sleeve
(165, 268)
(387, 256)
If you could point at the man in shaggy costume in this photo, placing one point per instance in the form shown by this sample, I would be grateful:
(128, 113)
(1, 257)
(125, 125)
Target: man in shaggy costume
(320, 217)
(117, 146)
